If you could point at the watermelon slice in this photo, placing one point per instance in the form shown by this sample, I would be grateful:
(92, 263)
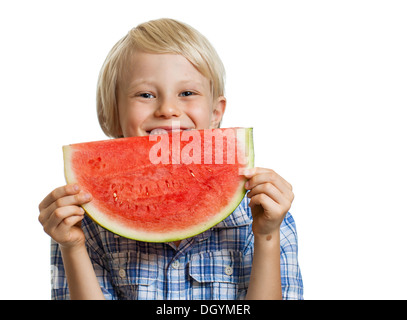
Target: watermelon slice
(164, 187)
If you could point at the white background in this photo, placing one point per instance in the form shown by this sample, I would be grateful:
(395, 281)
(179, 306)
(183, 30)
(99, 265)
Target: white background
(323, 83)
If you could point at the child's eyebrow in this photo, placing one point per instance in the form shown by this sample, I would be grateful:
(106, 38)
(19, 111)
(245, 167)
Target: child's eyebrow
(138, 82)
(129, 87)
(186, 82)
(190, 82)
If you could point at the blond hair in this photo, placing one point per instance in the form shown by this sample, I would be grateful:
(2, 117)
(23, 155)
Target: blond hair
(156, 36)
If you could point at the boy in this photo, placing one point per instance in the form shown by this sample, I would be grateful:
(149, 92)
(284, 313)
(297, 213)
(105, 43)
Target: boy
(159, 72)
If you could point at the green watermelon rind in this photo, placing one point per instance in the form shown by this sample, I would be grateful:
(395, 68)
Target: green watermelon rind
(121, 229)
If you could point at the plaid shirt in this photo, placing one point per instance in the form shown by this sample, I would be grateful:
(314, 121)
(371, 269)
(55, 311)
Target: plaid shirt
(215, 264)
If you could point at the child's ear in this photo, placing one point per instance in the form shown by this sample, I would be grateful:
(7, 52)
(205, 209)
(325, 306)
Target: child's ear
(219, 107)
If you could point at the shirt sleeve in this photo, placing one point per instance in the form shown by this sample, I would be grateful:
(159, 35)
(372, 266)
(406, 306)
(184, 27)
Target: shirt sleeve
(59, 285)
(291, 279)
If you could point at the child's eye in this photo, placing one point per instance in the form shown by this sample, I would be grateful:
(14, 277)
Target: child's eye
(187, 93)
(146, 95)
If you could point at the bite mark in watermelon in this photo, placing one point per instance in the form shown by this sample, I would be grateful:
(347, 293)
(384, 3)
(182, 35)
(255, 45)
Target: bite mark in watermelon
(157, 202)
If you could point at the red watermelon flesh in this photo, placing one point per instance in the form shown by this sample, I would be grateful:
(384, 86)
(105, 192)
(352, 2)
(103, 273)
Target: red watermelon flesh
(162, 188)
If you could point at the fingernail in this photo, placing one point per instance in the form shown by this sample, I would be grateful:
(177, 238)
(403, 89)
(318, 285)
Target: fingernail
(246, 185)
(248, 171)
(86, 196)
(75, 187)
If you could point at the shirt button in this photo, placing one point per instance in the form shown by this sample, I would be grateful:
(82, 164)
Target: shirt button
(228, 270)
(175, 264)
(122, 273)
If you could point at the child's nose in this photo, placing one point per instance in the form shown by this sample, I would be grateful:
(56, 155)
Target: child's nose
(167, 109)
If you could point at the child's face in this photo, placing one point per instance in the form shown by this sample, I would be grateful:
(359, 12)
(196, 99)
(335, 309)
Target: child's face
(161, 88)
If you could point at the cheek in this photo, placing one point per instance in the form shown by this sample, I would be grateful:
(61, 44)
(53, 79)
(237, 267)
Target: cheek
(201, 116)
(130, 120)
(201, 119)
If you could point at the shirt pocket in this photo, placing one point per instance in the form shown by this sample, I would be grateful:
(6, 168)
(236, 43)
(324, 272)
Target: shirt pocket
(215, 275)
(134, 275)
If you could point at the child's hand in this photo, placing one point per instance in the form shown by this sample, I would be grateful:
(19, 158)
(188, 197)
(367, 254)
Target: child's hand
(270, 199)
(61, 215)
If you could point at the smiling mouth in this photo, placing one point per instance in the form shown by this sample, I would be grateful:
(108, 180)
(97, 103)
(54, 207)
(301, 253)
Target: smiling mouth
(165, 130)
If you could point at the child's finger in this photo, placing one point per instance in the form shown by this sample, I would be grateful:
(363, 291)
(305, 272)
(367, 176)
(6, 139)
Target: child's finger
(252, 172)
(69, 200)
(269, 177)
(64, 213)
(59, 215)
(76, 199)
(65, 229)
(261, 199)
(269, 190)
(69, 222)
(57, 193)
(247, 172)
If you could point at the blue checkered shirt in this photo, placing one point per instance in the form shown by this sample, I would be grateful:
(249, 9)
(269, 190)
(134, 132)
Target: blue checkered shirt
(215, 264)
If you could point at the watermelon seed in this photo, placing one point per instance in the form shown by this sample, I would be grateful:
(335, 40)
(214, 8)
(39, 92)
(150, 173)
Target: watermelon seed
(192, 174)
